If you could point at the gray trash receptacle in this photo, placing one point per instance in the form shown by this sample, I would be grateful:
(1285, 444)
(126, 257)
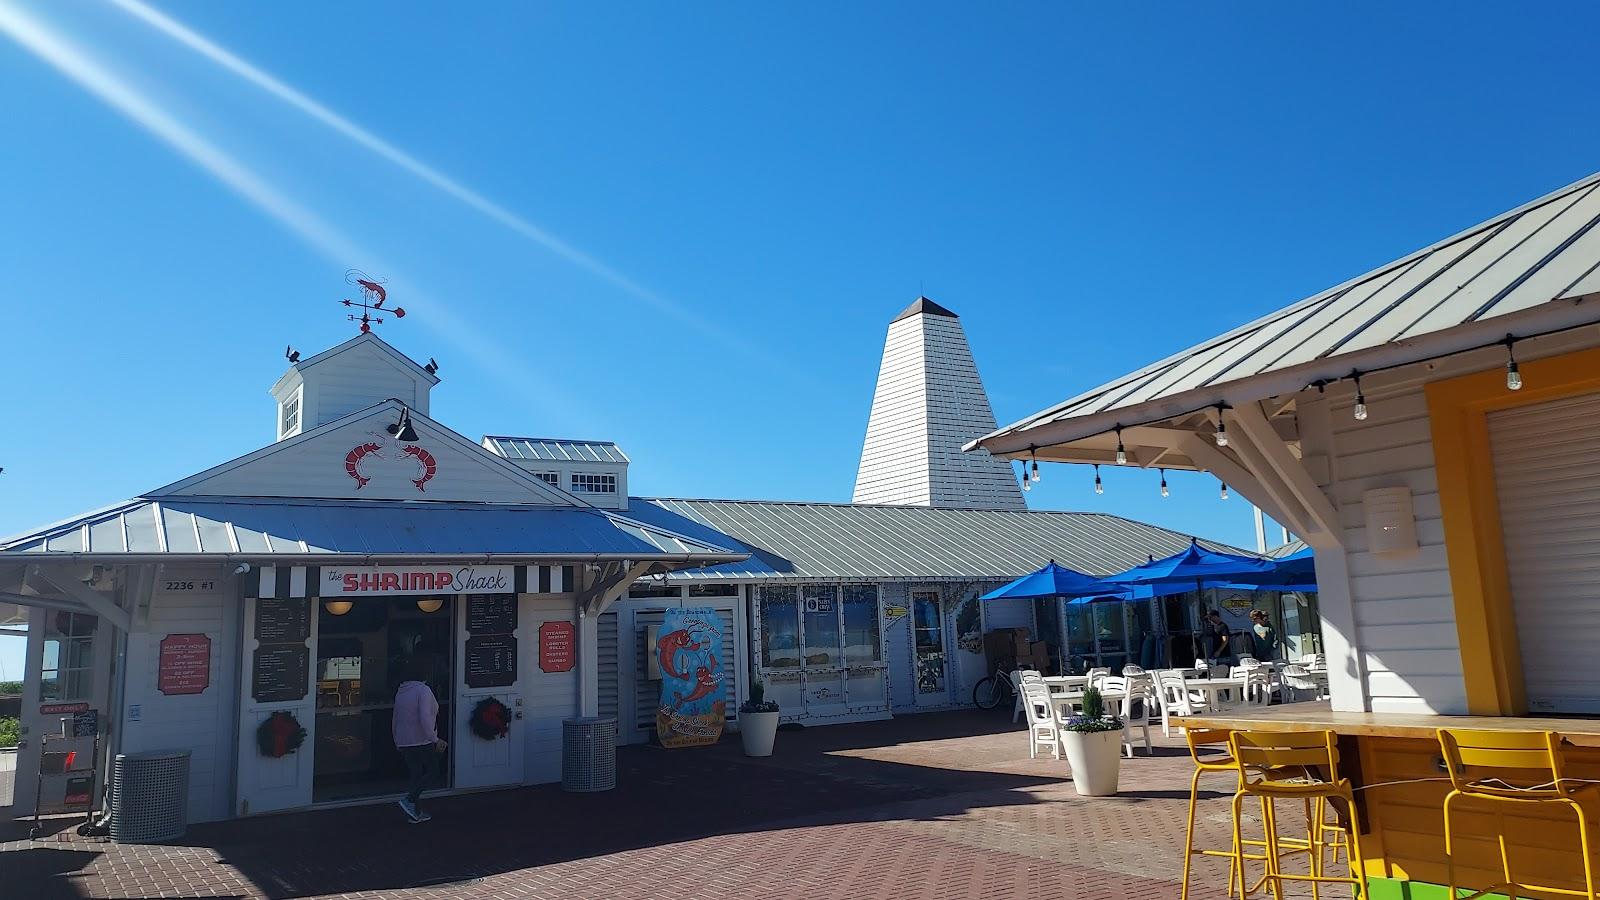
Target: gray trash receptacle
(589, 754)
(149, 796)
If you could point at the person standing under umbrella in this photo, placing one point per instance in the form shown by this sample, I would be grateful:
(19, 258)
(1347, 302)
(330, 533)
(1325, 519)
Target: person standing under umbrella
(1218, 638)
(1263, 637)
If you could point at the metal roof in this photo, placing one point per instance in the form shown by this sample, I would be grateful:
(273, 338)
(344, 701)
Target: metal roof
(826, 541)
(1545, 251)
(554, 449)
(254, 527)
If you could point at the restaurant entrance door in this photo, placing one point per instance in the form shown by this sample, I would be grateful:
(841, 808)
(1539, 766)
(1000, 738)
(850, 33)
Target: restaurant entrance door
(929, 643)
(365, 647)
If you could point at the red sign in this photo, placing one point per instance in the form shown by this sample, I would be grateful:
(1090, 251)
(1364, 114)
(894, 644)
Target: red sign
(558, 646)
(184, 666)
(51, 709)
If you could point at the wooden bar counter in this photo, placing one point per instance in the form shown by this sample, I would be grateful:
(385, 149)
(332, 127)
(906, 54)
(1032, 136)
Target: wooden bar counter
(1396, 765)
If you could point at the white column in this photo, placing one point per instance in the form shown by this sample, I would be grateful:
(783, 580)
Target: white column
(588, 663)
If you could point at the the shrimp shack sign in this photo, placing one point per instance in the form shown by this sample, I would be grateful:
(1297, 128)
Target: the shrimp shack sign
(689, 651)
(398, 581)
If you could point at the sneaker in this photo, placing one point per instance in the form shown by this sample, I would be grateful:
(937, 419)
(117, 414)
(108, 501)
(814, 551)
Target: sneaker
(410, 809)
(421, 817)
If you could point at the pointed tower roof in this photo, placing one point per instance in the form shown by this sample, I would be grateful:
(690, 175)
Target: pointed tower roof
(929, 402)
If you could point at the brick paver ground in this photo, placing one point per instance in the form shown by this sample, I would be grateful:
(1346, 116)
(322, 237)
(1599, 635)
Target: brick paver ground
(941, 805)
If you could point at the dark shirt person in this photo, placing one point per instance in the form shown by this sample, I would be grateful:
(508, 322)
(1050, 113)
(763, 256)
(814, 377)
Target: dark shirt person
(1218, 639)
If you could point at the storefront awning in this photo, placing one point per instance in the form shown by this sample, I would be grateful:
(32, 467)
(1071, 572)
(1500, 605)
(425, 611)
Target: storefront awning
(313, 532)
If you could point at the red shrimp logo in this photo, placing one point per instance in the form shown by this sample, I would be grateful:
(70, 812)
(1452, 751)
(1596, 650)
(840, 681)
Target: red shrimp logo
(424, 459)
(352, 463)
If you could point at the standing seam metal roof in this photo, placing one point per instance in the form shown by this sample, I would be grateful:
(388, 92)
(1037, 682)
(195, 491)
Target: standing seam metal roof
(555, 450)
(822, 541)
(1545, 251)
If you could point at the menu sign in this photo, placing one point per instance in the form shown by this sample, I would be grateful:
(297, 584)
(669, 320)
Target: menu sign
(86, 723)
(491, 613)
(491, 660)
(558, 646)
(283, 621)
(184, 664)
(280, 673)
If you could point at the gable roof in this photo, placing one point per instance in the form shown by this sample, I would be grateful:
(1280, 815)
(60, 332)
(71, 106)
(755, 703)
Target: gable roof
(1518, 262)
(321, 531)
(839, 541)
(365, 339)
(554, 449)
(501, 473)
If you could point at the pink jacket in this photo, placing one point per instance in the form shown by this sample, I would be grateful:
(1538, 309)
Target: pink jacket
(416, 715)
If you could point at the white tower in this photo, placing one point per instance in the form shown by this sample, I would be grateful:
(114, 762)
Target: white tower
(929, 402)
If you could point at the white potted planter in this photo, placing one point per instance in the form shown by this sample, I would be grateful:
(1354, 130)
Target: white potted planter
(758, 722)
(1093, 742)
(1096, 760)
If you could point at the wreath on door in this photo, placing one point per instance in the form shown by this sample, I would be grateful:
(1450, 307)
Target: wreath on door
(279, 735)
(490, 719)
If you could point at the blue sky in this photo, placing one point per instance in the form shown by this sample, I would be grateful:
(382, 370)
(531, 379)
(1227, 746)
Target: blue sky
(745, 194)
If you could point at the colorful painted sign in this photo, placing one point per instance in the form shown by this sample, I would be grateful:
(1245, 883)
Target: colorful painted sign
(183, 665)
(693, 697)
(894, 612)
(558, 647)
(396, 581)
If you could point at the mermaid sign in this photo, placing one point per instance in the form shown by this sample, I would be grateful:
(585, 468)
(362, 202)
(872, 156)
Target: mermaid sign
(689, 651)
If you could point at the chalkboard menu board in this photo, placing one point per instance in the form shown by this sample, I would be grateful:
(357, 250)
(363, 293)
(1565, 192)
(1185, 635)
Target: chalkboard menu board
(491, 660)
(491, 613)
(280, 673)
(283, 621)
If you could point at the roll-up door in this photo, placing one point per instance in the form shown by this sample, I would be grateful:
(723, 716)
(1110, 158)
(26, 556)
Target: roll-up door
(1547, 477)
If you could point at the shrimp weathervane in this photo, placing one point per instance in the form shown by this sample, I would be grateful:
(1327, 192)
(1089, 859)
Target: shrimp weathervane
(371, 303)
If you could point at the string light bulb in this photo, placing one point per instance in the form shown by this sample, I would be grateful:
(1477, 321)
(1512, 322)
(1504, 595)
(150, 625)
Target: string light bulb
(1224, 493)
(1099, 488)
(1513, 375)
(1122, 452)
(1360, 410)
(1164, 491)
(1222, 427)
(1026, 484)
(1035, 460)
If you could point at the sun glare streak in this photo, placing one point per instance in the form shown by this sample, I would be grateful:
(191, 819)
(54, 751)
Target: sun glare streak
(228, 60)
(81, 68)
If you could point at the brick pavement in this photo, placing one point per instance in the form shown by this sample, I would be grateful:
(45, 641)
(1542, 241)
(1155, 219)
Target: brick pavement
(943, 805)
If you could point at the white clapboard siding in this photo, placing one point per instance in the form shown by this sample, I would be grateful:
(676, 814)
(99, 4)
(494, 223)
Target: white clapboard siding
(1547, 477)
(550, 697)
(203, 723)
(606, 634)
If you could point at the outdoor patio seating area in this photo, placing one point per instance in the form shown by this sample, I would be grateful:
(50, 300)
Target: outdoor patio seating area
(937, 805)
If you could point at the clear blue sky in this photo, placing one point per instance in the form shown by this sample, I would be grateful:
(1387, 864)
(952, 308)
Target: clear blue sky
(754, 191)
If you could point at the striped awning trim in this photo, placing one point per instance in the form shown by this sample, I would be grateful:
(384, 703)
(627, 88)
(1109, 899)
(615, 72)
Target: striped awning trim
(284, 582)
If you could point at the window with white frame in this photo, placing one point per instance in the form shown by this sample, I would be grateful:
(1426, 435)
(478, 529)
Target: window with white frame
(591, 483)
(68, 665)
(289, 415)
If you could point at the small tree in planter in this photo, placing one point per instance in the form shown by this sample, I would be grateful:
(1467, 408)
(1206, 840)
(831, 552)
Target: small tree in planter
(758, 721)
(1093, 741)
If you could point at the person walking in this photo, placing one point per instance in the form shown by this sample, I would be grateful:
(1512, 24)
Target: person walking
(416, 736)
(1263, 637)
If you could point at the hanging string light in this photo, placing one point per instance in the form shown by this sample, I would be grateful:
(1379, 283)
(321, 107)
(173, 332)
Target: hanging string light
(1222, 427)
(1361, 399)
(1026, 484)
(1035, 459)
(1098, 487)
(1164, 491)
(1122, 452)
(1513, 376)
(1224, 493)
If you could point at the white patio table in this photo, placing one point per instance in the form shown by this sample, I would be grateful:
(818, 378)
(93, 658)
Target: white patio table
(1069, 704)
(1214, 688)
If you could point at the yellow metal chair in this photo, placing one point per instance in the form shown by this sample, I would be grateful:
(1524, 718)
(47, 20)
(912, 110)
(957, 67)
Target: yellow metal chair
(1199, 738)
(1516, 769)
(1304, 766)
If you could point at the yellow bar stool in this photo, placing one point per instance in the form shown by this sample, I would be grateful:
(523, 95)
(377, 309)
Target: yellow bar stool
(1296, 765)
(1217, 738)
(1512, 770)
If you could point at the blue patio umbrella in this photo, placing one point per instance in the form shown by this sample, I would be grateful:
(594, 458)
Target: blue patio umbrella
(1195, 566)
(1295, 572)
(1057, 581)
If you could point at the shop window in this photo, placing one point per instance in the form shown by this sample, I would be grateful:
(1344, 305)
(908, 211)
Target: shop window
(590, 483)
(861, 635)
(780, 628)
(821, 623)
(68, 670)
(713, 590)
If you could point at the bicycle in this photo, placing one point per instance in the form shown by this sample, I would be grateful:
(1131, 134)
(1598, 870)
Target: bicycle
(993, 690)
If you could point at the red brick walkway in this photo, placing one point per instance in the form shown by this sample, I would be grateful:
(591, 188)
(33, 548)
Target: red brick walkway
(939, 805)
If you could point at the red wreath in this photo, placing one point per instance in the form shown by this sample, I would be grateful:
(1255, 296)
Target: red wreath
(490, 720)
(280, 735)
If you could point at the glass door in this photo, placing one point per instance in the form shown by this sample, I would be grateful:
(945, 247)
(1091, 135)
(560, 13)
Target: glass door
(867, 683)
(932, 674)
(820, 641)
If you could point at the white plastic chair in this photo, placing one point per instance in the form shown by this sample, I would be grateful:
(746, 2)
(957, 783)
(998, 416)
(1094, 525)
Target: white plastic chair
(1138, 705)
(1249, 662)
(1176, 698)
(1042, 728)
(1257, 687)
(1296, 680)
(1129, 671)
